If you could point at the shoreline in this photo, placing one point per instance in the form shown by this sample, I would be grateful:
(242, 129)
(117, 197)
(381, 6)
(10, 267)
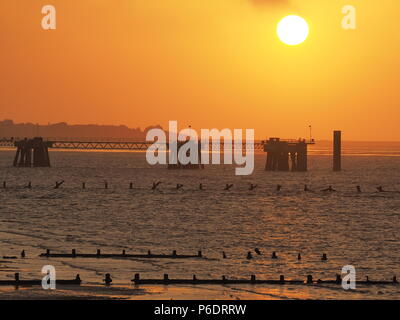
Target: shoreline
(180, 292)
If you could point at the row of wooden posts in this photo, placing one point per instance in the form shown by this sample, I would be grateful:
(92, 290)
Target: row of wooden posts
(227, 186)
(123, 254)
(174, 255)
(196, 281)
(98, 254)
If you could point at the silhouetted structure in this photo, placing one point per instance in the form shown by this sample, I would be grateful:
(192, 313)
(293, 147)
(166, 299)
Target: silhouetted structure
(178, 165)
(99, 254)
(18, 282)
(224, 280)
(337, 150)
(32, 152)
(286, 155)
(107, 279)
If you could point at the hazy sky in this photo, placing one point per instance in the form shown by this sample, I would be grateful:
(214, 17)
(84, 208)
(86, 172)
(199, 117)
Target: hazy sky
(207, 63)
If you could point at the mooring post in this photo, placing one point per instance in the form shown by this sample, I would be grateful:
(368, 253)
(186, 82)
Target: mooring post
(47, 252)
(131, 185)
(83, 185)
(174, 253)
(253, 278)
(16, 275)
(337, 150)
(309, 279)
(73, 252)
(282, 278)
(137, 277)
(166, 277)
(199, 254)
(98, 252)
(4, 184)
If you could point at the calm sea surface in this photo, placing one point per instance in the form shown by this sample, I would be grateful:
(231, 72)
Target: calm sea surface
(359, 229)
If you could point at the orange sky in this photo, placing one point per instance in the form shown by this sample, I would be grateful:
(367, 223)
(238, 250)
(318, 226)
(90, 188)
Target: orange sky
(208, 63)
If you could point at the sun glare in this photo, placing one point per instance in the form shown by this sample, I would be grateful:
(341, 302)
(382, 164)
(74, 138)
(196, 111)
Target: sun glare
(292, 30)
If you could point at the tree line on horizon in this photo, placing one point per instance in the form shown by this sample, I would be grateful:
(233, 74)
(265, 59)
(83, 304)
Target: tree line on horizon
(9, 129)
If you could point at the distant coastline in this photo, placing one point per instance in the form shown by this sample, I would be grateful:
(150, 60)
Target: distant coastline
(10, 129)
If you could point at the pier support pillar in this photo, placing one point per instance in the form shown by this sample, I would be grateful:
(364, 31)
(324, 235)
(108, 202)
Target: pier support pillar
(283, 164)
(285, 155)
(302, 157)
(293, 160)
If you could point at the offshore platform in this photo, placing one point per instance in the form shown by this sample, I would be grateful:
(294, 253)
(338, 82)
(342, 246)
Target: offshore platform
(286, 155)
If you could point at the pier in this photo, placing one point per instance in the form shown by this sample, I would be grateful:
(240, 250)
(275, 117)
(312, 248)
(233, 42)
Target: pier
(286, 155)
(83, 144)
(282, 154)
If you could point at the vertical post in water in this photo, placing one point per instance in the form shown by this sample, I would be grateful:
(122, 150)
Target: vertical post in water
(337, 150)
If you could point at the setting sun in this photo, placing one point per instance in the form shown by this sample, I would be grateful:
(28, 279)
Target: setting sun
(292, 30)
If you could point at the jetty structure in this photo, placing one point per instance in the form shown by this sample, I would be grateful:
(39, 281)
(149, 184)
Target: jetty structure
(32, 152)
(282, 154)
(286, 155)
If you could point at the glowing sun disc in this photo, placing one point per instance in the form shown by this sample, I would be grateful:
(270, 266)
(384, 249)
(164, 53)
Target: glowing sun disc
(292, 30)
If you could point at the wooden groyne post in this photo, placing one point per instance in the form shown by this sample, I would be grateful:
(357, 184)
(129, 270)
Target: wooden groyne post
(337, 150)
